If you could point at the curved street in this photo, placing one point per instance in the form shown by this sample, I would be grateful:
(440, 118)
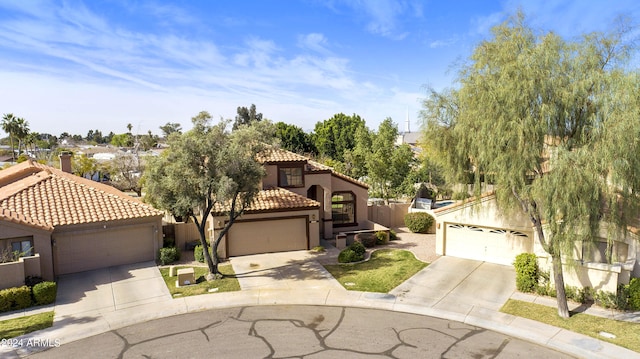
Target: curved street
(300, 332)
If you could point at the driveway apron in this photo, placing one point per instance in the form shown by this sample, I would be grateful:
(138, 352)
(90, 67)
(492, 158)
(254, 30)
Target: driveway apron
(458, 285)
(109, 289)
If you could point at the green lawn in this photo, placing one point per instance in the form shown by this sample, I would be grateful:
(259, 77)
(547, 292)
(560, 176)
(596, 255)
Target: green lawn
(12, 328)
(225, 284)
(386, 269)
(627, 334)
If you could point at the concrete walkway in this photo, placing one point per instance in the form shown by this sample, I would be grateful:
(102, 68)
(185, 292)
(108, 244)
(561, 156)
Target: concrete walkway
(297, 278)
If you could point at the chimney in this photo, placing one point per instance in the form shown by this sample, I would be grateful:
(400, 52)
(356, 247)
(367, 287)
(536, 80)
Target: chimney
(65, 161)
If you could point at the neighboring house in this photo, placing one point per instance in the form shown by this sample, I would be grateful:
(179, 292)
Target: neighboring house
(73, 224)
(479, 230)
(301, 201)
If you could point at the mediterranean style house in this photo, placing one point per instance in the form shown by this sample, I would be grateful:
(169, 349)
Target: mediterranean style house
(301, 201)
(477, 229)
(61, 223)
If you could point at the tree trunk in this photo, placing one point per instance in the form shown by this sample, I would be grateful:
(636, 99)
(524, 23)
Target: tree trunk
(558, 277)
(213, 267)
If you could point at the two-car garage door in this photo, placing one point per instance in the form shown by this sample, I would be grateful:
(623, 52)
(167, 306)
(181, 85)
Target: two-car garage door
(486, 244)
(82, 251)
(268, 235)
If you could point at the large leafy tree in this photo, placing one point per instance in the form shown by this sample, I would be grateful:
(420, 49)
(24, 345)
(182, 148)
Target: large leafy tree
(334, 136)
(555, 124)
(294, 139)
(388, 164)
(207, 168)
(126, 171)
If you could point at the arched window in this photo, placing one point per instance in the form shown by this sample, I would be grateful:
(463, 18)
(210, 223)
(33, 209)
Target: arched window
(343, 208)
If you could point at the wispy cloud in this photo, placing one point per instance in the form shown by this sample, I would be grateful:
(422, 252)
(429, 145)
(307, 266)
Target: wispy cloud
(382, 17)
(314, 42)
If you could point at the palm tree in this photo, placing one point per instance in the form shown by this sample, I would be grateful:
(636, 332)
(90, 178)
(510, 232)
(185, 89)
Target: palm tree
(21, 132)
(9, 126)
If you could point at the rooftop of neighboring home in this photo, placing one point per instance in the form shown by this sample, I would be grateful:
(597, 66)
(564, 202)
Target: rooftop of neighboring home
(43, 196)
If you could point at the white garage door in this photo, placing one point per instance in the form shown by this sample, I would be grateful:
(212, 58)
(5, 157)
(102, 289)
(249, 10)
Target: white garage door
(267, 236)
(499, 246)
(78, 252)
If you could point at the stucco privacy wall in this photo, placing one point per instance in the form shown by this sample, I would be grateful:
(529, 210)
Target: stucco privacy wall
(41, 244)
(13, 274)
(275, 222)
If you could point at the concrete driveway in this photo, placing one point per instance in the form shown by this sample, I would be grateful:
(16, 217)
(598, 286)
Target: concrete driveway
(458, 285)
(285, 270)
(109, 289)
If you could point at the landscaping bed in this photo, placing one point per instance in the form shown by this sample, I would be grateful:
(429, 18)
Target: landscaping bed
(226, 284)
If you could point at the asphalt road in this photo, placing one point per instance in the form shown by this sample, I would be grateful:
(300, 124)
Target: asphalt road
(300, 332)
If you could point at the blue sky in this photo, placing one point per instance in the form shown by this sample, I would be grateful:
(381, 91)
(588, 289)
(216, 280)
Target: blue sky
(79, 65)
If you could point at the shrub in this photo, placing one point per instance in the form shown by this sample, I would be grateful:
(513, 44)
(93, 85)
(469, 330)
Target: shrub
(15, 298)
(45, 292)
(526, 266)
(32, 280)
(347, 255)
(5, 301)
(382, 237)
(168, 255)
(418, 222)
(633, 291)
(358, 248)
(199, 255)
(605, 299)
(367, 239)
(393, 236)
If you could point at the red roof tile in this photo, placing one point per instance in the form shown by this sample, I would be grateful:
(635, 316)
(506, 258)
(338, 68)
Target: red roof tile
(49, 196)
(272, 200)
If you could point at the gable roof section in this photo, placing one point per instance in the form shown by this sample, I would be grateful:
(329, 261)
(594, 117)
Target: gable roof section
(276, 156)
(44, 195)
(274, 200)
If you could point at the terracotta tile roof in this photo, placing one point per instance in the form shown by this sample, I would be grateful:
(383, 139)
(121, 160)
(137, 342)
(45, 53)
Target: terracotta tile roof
(278, 155)
(10, 216)
(274, 200)
(48, 196)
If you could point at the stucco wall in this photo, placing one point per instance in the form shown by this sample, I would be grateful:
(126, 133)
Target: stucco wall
(484, 213)
(312, 219)
(41, 244)
(391, 215)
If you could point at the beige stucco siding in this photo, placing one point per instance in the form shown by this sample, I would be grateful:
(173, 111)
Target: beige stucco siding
(78, 249)
(362, 213)
(478, 230)
(41, 243)
(269, 232)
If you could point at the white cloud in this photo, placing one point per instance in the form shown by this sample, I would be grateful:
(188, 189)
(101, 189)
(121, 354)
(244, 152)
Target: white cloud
(314, 41)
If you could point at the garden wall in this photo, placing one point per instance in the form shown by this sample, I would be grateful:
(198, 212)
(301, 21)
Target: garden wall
(12, 274)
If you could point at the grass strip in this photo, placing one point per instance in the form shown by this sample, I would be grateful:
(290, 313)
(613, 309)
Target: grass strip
(386, 269)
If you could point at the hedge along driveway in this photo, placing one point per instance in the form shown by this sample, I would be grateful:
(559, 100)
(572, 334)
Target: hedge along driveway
(21, 297)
